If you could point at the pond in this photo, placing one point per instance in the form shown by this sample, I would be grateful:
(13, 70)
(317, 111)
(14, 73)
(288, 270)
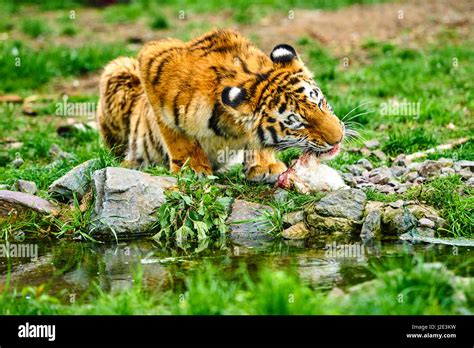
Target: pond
(73, 267)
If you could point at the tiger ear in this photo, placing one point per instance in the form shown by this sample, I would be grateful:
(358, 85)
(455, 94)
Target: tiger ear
(283, 54)
(233, 96)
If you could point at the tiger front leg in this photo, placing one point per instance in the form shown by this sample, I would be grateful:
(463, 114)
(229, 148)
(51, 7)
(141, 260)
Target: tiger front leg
(262, 166)
(181, 148)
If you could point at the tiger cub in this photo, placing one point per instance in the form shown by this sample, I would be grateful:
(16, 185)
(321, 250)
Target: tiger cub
(190, 101)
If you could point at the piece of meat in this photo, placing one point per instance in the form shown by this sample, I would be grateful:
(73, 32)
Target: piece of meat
(308, 175)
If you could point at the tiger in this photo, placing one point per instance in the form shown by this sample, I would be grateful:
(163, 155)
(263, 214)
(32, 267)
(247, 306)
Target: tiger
(183, 103)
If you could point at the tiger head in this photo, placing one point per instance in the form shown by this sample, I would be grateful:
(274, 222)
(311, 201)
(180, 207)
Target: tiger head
(285, 108)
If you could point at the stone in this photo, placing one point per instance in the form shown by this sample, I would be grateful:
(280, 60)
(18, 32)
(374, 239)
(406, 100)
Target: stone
(26, 187)
(412, 176)
(400, 160)
(424, 222)
(372, 226)
(464, 164)
(56, 152)
(356, 170)
(398, 171)
(380, 155)
(322, 225)
(446, 162)
(430, 168)
(372, 144)
(397, 204)
(347, 203)
(298, 231)
(11, 98)
(470, 182)
(18, 162)
(373, 206)
(75, 182)
(396, 221)
(365, 152)
(465, 173)
(380, 175)
(416, 238)
(126, 202)
(446, 171)
(365, 163)
(421, 211)
(349, 179)
(246, 224)
(414, 166)
(294, 217)
(22, 202)
(281, 195)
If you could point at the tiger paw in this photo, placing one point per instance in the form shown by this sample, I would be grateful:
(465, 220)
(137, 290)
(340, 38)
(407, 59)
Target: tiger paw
(268, 173)
(202, 169)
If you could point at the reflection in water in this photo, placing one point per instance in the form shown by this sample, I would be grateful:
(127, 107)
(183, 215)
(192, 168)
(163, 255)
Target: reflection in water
(72, 267)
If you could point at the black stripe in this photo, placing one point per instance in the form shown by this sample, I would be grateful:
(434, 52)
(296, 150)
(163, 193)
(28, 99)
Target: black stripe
(245, 67)
(206, 38)
(299, 90)
(176, 109)
(260, 79)
(153, 60)
(282, 108)
(145, 148)
(163, 62)
(221, 49)
(273, 133)
(265, 90)
(134, 135)
(271, 120)
(214, 121)
(261, 134)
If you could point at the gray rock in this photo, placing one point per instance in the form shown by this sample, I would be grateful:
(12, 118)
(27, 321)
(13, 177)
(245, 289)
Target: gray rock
(76, 181)
(347, 203)
(337, 215)
(356, 170)
(412, 176)
(424, 222)
(470, 182)
(430, 168)
(281, 195)
(247, 224)
(372, 144)
(372, 226)
(365, 163)
(4, 187)
(380, 155)
(398, 170)
(126, 201)
(446, 162)
(294, 217)
(56, 152)
(349, 179)
(396, 221)
(414, 166)
(22, 202)
(295, 232)
(26, 186)
(465, 173)
(18, 162)
(365, 152)
(380, 176)
(400, 160)
(446, 171)
(397, 204)
(414, 237)
(464, 164)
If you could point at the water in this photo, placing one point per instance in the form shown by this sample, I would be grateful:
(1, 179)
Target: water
(72, 267)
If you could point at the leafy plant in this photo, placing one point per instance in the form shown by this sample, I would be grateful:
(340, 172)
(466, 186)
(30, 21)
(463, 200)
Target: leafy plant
(193, 211)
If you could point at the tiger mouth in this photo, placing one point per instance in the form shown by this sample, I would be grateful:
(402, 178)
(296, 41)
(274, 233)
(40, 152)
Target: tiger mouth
(330, 153)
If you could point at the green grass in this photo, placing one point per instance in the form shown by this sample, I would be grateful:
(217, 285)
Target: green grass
(35, 27)
(404, 287)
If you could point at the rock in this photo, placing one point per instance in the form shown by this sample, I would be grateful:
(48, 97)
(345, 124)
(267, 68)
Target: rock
(347, 203)
(365, 152)
(281, 195)
(400, 160)
(465, 173)
(365, 163)
(380, 175)
(76, 181)
(396, 221)
(446, 162)
(372, 144)
(4, 187)
(464, 164)
(398, 171)
(22, 202)
(422, 211)
(28, 110)
(298, 231)
(373, 206)
(293, 218)
(349, 179)
(414, 166)
(56, 152)
(337, 215)
(372, 226)
(18, 162)
(424, 222)
(356, 170)
(402, 188)
(246, 223)
(397, 204)
(26, 186)
(470, 181)
(446, 171)
(126, 201)
(429, 168)
(380, 155)
(412, 176)
(414, 237)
